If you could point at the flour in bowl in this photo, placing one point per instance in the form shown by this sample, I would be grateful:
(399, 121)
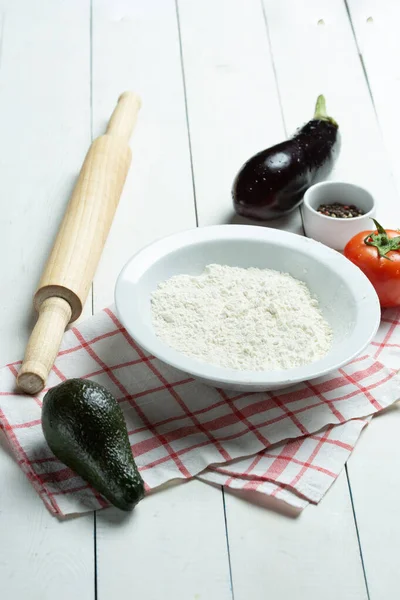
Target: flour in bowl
(243, 319)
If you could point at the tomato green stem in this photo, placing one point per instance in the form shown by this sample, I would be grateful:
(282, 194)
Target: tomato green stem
(381, 241)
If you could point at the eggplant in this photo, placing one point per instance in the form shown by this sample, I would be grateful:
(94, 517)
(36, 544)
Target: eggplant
(272, 183)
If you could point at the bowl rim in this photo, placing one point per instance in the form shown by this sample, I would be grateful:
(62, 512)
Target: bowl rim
(306, 201)
(368, 310)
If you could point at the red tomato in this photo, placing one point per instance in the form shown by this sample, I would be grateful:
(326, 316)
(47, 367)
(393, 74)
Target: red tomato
(377, 254)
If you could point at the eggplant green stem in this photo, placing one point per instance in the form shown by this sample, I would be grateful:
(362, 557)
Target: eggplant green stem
(382, 242)
(320, 113)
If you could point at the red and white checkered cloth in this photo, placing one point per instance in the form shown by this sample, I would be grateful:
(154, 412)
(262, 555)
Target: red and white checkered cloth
(290, 444)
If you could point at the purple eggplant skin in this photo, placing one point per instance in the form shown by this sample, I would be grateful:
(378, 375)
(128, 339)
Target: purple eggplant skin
(273, 182)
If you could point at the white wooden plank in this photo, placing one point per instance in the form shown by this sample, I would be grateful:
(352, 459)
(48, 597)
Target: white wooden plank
(326, 59)
(375, 480)
(41, 558)
(375, 484)
(174, 544)
(234, 111)
(376, 27)
(169, 547)
(136, 46)
(275, 555)
(314, 53)
(233, 105)
(45, 125)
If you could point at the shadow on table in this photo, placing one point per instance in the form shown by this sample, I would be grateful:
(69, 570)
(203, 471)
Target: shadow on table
(393, 408)
(5, 446)
(261, 500)
(266, 502)
(283, 223)
(114, 516)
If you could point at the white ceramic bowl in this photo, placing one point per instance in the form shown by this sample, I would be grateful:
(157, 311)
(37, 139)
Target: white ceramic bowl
(347, 298)
(331, 231)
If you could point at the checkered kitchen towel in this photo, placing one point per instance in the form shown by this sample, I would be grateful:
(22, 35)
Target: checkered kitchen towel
(291, 444)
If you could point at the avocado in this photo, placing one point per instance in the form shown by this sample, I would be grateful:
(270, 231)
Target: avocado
(84, 427)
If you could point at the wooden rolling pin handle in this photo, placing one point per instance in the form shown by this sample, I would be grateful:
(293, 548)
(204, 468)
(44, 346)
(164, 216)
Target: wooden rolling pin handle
(123, 119)
(44, 344)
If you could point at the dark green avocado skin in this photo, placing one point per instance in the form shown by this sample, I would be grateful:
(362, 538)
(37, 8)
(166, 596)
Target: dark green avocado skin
(84, 427)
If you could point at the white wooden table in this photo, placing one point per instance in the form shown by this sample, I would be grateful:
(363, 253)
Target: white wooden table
(219, 79)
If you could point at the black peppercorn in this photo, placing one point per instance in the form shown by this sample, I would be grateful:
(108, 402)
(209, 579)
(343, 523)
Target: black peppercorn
(340, 211)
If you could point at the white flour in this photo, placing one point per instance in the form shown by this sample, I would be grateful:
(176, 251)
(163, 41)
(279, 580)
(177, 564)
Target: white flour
(244, 319)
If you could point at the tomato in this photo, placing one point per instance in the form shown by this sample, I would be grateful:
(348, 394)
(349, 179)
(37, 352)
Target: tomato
(377, 254)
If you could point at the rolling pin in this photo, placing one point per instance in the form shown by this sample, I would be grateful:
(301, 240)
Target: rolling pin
(70, 269)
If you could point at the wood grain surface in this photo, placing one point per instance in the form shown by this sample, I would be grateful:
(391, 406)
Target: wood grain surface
(219, 80)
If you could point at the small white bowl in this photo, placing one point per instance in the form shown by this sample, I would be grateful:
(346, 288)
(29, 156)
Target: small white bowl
(347, 299)
(331, 231)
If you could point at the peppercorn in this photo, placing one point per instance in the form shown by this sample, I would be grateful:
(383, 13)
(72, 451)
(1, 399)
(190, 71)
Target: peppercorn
(340, 211)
